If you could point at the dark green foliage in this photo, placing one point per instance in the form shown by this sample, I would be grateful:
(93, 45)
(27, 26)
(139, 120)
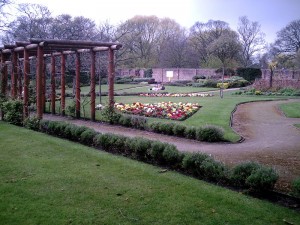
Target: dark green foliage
(124, 80)
(254, 176)
(76, 133)
(296, 187)
(44, 124)
(110, 115)
(68, 131)
(148, 73)
(172, 157)
(249, 74)
(210, 133)
(179, 130)
(13, 112)
(138, 122)
(156, 151)
(155, 127)
(210, 83)
(192, 163)
(71, 109)
(87, 136)
(32, 123)
(125, 120)
(213, 170)
(241, 172)
(166, 128)
(140, 147)
(190, 132)
(262, 179)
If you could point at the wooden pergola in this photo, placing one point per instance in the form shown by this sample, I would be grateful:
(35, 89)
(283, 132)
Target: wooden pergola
(41, 49)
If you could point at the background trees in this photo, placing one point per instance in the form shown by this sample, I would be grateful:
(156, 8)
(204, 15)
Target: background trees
(149, 41)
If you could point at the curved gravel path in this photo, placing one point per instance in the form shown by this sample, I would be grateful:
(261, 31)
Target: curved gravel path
(270, 139)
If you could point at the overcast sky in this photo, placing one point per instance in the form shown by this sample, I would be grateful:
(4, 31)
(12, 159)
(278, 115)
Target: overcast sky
(273, 15)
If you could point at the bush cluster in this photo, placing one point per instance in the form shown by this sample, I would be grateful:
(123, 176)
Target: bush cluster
(13, 111)
(254, 176)
(207, 133)
(250, 175)
(296, 187)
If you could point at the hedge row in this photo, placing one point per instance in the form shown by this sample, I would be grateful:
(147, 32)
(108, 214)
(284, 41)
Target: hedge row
(202, 166)
(207, 133)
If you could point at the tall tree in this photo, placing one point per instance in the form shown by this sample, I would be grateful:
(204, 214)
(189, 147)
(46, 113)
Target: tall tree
(251, 38)
(288, 38)
(3, 13)
(33, 22)
(225, 48)
(201, 36)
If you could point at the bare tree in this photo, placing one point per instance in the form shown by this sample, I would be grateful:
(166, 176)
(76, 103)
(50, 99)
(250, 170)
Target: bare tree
(251, 38)
(288, 38)
(33, 22)
(201, 36)
(225, 48)
(3, 13)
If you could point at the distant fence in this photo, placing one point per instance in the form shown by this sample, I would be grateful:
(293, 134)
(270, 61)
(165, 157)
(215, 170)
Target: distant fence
(160, 74)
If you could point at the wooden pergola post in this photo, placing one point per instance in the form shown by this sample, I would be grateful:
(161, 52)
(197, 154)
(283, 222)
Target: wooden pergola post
(77, 95)
(3, 79)
(111, 77)
(53, 94)
(14, 75)
(63, 84)
(44, 86)
(39, 82)
(19, 83)
(26, 83)
(93, 84)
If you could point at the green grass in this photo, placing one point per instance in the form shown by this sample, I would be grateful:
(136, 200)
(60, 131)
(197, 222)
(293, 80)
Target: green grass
(291, 109)
(137, 88)
(297, 125)
(215, 111)
(51, 181)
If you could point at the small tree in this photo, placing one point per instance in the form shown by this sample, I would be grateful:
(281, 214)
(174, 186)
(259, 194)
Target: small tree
(225, 48)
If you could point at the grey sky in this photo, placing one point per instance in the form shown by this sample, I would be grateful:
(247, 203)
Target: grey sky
(273, 15)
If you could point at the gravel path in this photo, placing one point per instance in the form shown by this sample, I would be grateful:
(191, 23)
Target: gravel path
(270, 139)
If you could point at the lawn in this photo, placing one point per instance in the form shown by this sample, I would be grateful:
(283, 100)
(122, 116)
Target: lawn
(51, 181)
(214, 110)
(291, 109)
(138, 88)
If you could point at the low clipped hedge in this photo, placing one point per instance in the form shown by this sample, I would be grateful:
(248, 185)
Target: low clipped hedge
(247, 175)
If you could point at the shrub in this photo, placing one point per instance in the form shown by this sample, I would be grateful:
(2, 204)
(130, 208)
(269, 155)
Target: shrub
(32, 123)
(210, 133)
(210, 83)
(44, 125)
(262, 179)
(192, 163)
(13, 112)
(138, 122)
(68, 131)
(213, 170)
(76, 133)
(241, 172)
(172, 157)
(109, 115)
(155, 127)
(190, 132)
(296, 187)
(179, 130)
(125, 120)
(140, 147)
(224, 85)
(156, 151)
(166, 128)
(249, 74)
(148, 73)
(87, 136)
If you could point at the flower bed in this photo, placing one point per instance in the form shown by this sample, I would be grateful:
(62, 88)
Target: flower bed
(165, 110)
(176, 95)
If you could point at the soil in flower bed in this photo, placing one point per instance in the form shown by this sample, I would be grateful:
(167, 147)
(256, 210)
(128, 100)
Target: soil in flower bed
(163, 110)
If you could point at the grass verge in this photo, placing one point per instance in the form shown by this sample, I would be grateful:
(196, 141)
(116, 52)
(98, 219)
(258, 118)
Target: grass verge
(291, 109)
(51, 181)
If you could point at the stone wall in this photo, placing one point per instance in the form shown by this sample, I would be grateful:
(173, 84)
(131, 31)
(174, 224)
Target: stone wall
(281, 74)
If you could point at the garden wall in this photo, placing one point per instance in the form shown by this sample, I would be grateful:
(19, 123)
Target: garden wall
(159, 74)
